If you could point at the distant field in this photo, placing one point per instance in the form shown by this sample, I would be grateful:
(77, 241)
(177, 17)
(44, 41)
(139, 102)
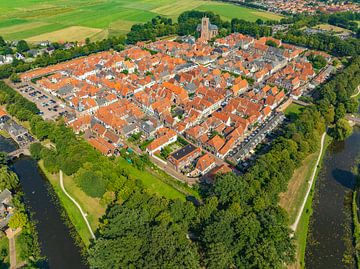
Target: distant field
(328, 27)
(61, 20)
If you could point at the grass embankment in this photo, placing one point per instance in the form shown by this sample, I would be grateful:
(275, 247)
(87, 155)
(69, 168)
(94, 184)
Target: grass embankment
(356, 224)
(94, 207)
(4, 252)
(152, 181)
(293, 109)
(19, 249)
(90, 205)
(292, 199)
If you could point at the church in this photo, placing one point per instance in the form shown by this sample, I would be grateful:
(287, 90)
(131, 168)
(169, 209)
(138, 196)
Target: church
(207, 30)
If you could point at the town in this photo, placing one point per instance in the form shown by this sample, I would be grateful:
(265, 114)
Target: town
(196, 105)
(307, 6)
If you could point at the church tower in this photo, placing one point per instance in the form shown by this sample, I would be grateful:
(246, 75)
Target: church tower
(205, 28)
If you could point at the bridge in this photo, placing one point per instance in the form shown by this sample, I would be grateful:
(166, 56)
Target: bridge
(354, 119)
(301, 103)
(17, 153)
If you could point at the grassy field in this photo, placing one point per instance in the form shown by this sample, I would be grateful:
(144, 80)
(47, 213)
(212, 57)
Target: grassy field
(71, 209)
(292, 199)
(94, 207)
(37, 20)
(19, 249)
(293, 109)
(4, 246)
(328, 27)
(152, 182)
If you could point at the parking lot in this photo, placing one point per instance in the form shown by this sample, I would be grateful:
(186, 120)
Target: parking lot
(50, 108)
(246, 147)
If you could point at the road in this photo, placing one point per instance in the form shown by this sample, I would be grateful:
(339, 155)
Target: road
(77, 205)
(298, 216)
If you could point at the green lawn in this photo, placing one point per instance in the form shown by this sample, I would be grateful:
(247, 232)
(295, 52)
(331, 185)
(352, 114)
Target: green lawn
(19, 249)
(152, 182)
(33, 19)
(303, 226)
(293, 109)
(71, 209)
(94, 207)
(4, 248)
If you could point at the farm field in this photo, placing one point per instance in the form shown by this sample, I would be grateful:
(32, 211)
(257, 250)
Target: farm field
(65, 20)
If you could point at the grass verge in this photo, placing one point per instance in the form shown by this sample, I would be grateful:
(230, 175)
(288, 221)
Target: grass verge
(70, 208)
(303, 227)
(4, 252)
(152, 181)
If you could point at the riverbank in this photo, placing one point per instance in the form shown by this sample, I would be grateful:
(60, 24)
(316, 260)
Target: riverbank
(56, 242)
(293, 198)
(327, 243)
(92, 206)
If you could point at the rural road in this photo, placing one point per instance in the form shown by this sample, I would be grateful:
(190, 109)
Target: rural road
(77, 204)
(298, 216)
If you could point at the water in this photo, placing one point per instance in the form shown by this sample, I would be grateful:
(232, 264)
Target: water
(56, 243)
(326, 246)
(7, 144)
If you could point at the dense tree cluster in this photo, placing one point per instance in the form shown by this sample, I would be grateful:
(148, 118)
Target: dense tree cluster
(321, 41)
(342, 19)
(187, 25)
(158, 26)
(317, 61)
(146, 232)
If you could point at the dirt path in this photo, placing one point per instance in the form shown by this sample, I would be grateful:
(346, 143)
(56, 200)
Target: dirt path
(357, 92)
(298, 216)
(77, 205)
(12, 252)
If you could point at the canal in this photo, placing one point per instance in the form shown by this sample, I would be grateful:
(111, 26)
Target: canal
(55, 240)
(325, 245)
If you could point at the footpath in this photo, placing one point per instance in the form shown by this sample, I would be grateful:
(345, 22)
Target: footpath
(298, 216)
(76, 203)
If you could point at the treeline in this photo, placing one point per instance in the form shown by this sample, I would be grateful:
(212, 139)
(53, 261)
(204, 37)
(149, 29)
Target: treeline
(30, 249)
(325, 42)
(342, 19)
(187, 25)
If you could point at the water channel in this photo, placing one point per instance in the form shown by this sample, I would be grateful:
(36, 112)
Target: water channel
(326, 246)
(56, 243)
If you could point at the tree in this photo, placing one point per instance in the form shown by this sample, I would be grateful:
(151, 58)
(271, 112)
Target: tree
(18, 220)
(8, 179)
(35, 150)
(3, 158)
(342, 129)
(2, 42)
(22, 46)
(271, 43)
(15, 78)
